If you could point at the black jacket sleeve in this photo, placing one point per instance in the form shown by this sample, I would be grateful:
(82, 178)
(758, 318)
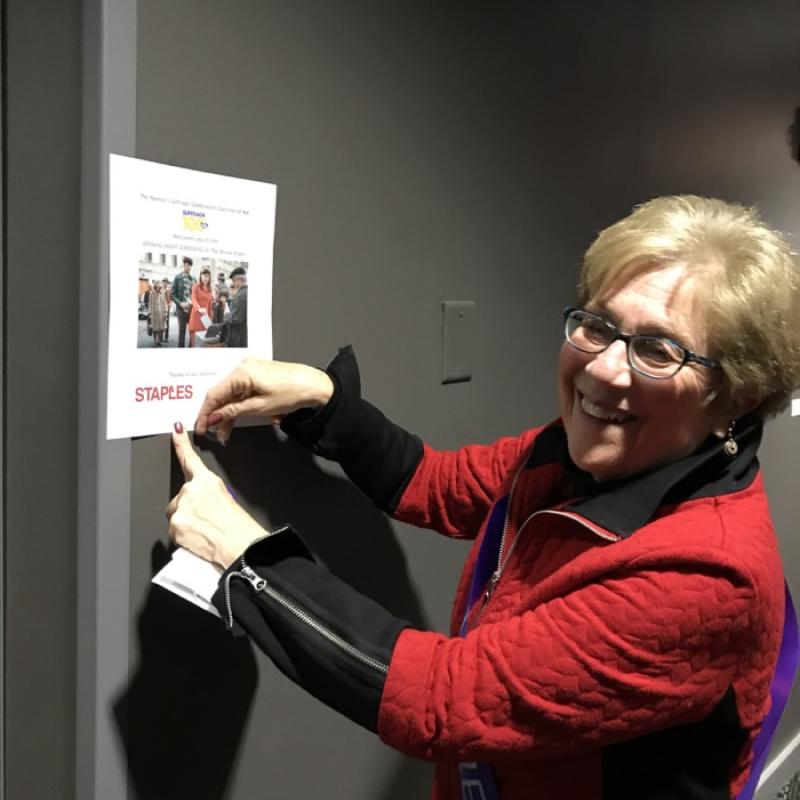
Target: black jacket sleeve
(319, 631)
(377, 455)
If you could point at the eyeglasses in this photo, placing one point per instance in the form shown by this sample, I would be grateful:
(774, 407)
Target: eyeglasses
(653, 356)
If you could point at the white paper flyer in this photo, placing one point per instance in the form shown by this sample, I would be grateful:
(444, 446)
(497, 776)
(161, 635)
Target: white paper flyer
(197, 250)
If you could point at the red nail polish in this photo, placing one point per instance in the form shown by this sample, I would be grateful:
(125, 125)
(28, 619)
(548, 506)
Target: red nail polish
(214, 419)
(178, 427)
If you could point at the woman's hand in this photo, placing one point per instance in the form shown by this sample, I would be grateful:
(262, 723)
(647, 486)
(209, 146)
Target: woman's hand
(258, 387)
(203, 517)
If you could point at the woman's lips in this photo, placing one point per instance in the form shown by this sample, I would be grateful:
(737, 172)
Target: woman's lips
(600, 413)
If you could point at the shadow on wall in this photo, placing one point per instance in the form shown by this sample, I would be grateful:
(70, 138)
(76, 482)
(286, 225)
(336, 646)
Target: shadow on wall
(343, 529)
(194, 681)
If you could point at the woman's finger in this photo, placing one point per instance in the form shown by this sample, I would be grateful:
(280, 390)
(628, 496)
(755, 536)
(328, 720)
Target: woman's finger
(223, 429)
(172, 506)
(177, 529)
(250, 407)
(228, 389)
(190, 462)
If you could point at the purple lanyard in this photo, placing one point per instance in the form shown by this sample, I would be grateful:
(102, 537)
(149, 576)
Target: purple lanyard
(477, 781)
(785, 671)
(487, 557)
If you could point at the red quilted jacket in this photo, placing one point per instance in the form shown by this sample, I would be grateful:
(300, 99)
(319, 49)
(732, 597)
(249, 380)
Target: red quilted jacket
(631, 627)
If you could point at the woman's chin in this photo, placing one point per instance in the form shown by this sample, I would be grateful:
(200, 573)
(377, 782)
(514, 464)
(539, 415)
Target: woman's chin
(602, 450)
(598, 462)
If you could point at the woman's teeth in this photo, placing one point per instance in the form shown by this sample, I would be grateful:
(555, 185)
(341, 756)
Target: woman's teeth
(598, 412)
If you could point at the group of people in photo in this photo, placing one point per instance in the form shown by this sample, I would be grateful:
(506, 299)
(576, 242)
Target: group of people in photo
(216, 310)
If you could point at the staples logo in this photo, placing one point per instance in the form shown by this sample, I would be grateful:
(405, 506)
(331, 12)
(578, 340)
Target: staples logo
(194, 220)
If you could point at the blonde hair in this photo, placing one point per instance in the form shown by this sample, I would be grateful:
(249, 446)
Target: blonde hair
(748, 287)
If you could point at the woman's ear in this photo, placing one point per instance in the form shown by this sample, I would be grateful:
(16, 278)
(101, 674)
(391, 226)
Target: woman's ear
(737, 408)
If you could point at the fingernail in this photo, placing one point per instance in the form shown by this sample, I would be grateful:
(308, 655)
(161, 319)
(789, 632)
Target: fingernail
(214, 419)
(178, 427)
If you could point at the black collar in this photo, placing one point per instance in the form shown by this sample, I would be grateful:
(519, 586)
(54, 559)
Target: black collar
(624, 506)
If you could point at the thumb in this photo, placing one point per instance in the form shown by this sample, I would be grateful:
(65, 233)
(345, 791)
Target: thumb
(190, 462)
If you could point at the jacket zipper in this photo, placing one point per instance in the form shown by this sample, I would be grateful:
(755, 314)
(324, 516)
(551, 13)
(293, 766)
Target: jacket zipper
(503, 562)
(261, 585)
(609, 537)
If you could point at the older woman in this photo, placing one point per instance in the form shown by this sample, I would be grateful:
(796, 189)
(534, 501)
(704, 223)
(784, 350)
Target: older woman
(158, 313)
(617, 624)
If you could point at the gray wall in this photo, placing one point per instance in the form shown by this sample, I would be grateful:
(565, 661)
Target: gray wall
(42, 162)
(427, 152)
(422, 152)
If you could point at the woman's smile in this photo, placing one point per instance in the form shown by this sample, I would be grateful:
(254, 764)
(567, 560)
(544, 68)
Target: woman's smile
(600, 413)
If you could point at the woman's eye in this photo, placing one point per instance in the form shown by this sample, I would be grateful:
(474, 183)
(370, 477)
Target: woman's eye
(595, 329)
(656, 350)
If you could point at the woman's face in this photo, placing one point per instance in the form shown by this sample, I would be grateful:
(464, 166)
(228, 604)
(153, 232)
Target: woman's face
(205, 279)
(619, 422)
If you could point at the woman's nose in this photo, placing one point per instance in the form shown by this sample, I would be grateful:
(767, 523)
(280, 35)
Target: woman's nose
(612, 366)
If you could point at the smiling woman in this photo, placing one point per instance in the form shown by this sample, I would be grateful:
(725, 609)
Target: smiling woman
(711, 278)
(620, 421)
(619, 619)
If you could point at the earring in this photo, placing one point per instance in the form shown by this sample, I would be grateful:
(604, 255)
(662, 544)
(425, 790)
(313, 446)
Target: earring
(730, 446)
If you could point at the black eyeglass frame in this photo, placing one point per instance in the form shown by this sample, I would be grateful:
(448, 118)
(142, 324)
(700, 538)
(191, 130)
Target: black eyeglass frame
(688, 355)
